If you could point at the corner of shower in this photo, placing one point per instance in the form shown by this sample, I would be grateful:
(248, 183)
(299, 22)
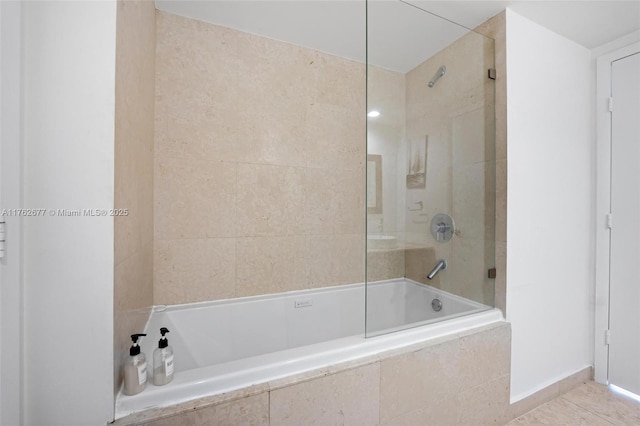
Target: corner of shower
(431, 169)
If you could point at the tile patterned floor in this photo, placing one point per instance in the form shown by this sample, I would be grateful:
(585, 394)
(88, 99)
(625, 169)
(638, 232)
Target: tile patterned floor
(588, 404)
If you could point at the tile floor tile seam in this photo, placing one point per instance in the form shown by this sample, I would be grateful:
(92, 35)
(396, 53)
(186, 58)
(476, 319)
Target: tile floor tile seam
(627, 402)
(581, 408)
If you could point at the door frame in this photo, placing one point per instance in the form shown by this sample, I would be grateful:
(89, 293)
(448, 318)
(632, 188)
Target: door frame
(11, 270)
(603, 205)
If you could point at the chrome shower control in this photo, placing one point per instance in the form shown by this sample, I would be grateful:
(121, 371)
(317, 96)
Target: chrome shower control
(442, 227)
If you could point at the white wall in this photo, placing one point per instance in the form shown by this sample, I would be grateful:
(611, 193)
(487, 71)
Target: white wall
(69, 91)
(550, 193)
(10, 197)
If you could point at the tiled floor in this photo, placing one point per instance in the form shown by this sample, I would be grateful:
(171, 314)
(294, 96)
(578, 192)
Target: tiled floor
(588, 404)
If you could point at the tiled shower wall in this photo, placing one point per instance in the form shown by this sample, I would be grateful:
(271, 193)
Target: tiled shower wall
(259, 158)
(135, 64)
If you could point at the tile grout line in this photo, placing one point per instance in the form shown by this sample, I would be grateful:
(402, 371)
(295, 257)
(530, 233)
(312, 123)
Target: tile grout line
(584, 409)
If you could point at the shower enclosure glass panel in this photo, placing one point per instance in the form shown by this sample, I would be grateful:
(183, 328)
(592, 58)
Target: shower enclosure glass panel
(430, 168)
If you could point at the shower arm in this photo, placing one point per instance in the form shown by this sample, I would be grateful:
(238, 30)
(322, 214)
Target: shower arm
(441, 71)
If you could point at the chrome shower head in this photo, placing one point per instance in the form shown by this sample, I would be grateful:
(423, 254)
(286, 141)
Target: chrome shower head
(437, 75)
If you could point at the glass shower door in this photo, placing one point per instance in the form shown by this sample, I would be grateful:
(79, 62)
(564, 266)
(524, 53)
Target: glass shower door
(430, 168)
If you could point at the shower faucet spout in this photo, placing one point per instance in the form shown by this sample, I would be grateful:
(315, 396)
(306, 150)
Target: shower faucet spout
(440, 266)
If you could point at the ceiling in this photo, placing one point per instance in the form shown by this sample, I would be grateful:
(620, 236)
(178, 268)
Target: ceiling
(400, 35)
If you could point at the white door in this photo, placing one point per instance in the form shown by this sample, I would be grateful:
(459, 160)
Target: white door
(624, 299)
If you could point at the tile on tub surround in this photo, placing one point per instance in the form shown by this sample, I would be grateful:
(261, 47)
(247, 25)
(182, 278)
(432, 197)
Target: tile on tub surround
(261, 269)
(194, 199)
(442, 412)
(188, 271)
(418, 263)
(334, 203)
(186, 52)
(485, 404)
(417, 380)
(252, 410)
(348, 397)
(335, 259)
(339, 145)
(493, 346)
(269, 146)
(133, 173)
(412, 381)
(385, 264)
(469, 269)
(270, 200)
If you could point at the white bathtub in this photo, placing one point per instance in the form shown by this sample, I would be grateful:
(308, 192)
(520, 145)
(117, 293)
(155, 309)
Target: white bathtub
(230, 344)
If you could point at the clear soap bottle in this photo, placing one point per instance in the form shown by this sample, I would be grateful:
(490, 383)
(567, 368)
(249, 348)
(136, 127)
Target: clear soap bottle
(163, 361)
(135, 368)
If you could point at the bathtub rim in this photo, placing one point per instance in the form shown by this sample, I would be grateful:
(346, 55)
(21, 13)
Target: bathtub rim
(303, 292)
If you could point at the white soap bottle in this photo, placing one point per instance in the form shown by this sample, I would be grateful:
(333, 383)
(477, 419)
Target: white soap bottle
(163, 361)
(135, 368)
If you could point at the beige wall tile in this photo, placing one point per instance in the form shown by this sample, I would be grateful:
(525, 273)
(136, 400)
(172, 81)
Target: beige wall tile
(413, 381)
(472, 203)
(418, 263)
(485, 404)
(485, 356)
(340, 82)
(335, 259)
(268, 265)
(347, 398)
(270, 201)
(133, 297)
(442, 412)
(214, 139)
(470, 262)
(187, 52)
(194, 199)
(339, 145)
(271, 144)
(334, 201)
(133, 173)
(275, 88)
(194, 270)
(385, 264)
(250, 411)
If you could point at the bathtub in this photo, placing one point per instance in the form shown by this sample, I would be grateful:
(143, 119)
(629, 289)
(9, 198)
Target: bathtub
(227, 345)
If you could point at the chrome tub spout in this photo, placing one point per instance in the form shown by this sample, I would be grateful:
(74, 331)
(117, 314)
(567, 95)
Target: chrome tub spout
(440, 266)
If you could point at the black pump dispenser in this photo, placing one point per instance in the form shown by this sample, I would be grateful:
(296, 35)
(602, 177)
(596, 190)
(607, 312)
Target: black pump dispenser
(135, 349)
(163, 343)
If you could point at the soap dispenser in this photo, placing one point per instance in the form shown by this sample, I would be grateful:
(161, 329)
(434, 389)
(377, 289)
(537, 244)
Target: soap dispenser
(163, 361)
(135, 368)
